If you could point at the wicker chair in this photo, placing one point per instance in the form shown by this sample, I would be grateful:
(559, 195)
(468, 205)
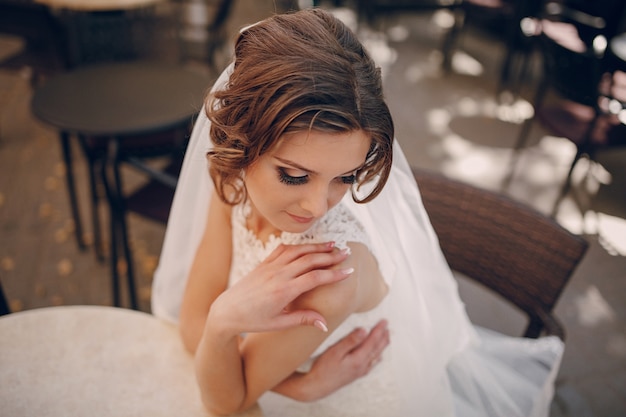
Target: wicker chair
(513, 250)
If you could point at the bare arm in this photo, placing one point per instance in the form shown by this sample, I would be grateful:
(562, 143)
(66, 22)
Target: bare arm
(353, 356)
(232, 374)
(208, 276)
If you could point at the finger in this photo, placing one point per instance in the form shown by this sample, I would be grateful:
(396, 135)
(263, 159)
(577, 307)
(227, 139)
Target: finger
(309, 263)
(298, 260)
(313, 261)
(313, 279)
(289, 253)
(374, 344)
(349, 342)
(300, 318)
(382, 343)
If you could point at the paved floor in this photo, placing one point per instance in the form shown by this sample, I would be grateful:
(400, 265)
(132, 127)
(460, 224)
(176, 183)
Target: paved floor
(452, 124)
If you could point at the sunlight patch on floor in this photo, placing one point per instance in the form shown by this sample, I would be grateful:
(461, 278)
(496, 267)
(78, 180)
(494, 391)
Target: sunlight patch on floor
(592, 309)
(463, 63)
(612, 232)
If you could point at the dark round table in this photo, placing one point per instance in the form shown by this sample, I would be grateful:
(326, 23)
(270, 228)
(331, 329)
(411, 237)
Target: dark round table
(116, 102)
(120, 99)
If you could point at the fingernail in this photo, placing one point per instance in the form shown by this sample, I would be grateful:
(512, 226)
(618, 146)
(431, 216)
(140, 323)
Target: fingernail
(320, 325)
(346, 250)
(331, 244)
(347, 271)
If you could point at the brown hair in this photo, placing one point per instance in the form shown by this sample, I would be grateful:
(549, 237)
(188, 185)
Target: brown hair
(294, 72)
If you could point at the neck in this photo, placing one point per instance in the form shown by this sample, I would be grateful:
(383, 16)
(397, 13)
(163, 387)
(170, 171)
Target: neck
(258, 225)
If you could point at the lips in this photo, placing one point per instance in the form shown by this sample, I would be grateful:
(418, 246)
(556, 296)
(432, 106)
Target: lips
(303, 220)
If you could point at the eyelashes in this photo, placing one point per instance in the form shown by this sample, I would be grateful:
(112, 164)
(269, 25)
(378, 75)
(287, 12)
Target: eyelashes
(300, 180)
(291, 180)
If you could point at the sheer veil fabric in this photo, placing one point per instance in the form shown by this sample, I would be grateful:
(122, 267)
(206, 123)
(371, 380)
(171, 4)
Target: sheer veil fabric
(430, 331)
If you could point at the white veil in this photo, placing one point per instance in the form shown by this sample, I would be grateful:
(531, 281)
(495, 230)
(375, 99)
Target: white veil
(428, 322)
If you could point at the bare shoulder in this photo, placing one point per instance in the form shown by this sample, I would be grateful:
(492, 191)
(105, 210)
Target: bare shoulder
(218, 233)
(219, 209)
(361, 291)
(372, 287)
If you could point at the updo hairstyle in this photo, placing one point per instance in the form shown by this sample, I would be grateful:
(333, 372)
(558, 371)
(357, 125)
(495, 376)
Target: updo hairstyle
(297, 72)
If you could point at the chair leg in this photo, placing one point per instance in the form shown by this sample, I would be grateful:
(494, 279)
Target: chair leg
(118, 227)
(523, 72)
(524, 133)
(585, 148)
(130, 270)
(71, 188)
(504, 83)
(95, 214)
(121, 213)
(517, 148)
(514, 72)
(120, 243)
(113, 244)
(450, 40)
(119, 217)
(567, 185)
(92, 161)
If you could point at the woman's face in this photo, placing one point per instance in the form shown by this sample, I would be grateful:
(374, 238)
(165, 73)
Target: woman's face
(302, 177)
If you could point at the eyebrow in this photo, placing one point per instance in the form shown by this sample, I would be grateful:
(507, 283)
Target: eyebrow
(298, 166)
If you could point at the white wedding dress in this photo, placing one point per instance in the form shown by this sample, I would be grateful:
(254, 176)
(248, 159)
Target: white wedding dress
(438, 364)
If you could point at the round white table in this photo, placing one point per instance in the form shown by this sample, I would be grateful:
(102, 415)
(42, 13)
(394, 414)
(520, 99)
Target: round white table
(95, 361)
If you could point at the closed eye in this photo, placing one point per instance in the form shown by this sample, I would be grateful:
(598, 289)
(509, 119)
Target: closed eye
(290, 179)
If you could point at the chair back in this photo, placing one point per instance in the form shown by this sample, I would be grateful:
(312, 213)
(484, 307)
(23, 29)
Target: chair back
(510, 248)
(105, 36)
(573, 43)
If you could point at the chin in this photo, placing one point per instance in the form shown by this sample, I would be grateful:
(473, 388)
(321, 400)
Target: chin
(297, 228)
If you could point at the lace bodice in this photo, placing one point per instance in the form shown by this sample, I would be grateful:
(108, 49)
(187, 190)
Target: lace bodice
(338, 225)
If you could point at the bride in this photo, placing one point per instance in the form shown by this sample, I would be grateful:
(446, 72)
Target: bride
(297, 220)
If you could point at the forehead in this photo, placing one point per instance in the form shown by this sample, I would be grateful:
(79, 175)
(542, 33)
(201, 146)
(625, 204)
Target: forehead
(318, 150)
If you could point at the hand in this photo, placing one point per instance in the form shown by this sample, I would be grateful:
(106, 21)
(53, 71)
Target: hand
(259, 301)
(351, 358)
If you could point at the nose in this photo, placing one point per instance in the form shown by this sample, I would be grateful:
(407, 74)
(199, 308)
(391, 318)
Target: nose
(316, 200)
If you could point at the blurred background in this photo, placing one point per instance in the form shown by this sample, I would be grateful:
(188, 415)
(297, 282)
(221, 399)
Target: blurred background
(461, 78)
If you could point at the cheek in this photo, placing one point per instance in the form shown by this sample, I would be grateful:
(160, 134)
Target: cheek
(336, 194)
(263, 187)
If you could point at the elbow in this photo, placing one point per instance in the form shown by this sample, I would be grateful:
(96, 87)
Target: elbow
(221, 402)
(217, 409)
(223, 406)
